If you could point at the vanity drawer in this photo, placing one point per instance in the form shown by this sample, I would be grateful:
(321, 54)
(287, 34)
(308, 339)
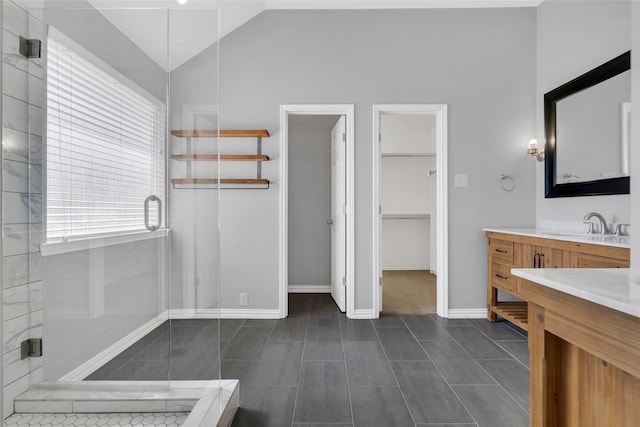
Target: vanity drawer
(501, 278)
(501, 250)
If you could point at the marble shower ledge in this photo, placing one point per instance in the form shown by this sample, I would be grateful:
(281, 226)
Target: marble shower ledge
(210, 403)
(614, 288)
(594, 239)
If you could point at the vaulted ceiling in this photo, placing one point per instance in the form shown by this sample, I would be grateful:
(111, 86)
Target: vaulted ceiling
(171, 34)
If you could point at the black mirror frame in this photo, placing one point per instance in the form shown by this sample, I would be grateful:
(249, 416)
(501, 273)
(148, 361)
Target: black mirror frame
(618, 185)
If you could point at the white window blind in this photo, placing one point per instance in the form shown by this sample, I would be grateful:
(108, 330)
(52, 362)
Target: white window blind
(105, 147)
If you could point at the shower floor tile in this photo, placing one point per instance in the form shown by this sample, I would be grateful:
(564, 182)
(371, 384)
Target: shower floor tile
(166, 419)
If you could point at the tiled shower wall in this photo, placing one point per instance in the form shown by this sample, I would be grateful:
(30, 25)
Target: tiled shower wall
(22, 130)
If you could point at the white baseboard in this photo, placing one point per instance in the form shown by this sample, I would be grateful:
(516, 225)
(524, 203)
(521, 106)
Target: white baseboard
(100, 359)
(364, 314)
(467, 313)
(313, 289)
(224, 313)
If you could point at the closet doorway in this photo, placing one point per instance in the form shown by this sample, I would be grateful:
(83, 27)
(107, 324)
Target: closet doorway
(316, 195)
(409, 239)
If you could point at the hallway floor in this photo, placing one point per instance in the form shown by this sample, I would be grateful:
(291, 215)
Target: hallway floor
(317, 368)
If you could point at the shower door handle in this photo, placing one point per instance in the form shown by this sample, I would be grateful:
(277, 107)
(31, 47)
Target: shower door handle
(152, 198)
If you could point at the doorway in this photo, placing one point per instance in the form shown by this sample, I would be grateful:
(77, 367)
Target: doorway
(410, 209)
(324, 211)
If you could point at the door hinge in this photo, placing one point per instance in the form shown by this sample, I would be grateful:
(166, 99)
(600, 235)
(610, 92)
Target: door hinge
(344, 281)
(379, 137)
(380, 209)
(379, 281)
(31, 348)
(30, 47)
(344, 137)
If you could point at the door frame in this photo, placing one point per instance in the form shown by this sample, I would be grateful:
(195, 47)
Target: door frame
(442, 237)
(346, 110)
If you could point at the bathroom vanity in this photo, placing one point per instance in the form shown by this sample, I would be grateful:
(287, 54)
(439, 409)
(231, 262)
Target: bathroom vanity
(584, 346)
(531, 248)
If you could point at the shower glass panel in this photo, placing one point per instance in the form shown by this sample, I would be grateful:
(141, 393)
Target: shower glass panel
(121, 255)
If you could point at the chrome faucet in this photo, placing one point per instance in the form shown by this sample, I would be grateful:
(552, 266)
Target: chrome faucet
(603, 223)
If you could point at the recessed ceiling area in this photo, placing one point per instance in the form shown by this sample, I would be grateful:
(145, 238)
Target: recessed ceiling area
(191, 28)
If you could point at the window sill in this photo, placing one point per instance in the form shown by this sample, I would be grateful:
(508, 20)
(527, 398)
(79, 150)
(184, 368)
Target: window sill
(83, 244)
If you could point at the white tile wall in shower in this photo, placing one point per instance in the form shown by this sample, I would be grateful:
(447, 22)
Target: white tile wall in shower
(15, 239)
(21, 147)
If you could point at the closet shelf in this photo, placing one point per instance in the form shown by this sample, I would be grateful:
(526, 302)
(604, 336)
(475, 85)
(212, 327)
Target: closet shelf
(222, 157)
(224, 133)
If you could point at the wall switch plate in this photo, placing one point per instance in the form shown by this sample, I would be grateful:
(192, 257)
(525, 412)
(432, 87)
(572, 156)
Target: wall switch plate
(461, 180)
(244, 299)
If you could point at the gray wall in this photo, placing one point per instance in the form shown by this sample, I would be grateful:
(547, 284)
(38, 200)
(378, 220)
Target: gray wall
(310, 199)
(479, 62)
(573, 38)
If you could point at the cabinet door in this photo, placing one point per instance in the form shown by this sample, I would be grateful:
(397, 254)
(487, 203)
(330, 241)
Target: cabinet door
(596, 261)
(552, 258)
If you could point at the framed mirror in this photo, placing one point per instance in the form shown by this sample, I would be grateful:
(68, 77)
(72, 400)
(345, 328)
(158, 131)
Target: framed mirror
(587, 132)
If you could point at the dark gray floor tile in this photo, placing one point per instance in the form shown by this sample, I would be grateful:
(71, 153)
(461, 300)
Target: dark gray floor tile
(444, 322)
(455, 364)
(323, 316)
(289, 333)
(446, 425)
(182, 336)
(387, 320)
(300, 300)
(323, 299)
(279, 364)
(399, 344)
(290, 329)
(477, 344)
(240, 370)
(158, 332)
(367, 364)
(518, 349)
(323, 396)
(425, 328)
(491, 406)
(191, 323)
(141, 371)
(357, 330)
(379, 406)
(229, 327)
(194, 368)
(321, 425)
(263, 323)
(266, 407)
(247, 344)
(511, 375)
(323, 344)
(517, 329)
(496, 330)
(429, 397)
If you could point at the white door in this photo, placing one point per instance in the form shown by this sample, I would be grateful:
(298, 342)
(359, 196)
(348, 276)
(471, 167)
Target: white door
(338, 213)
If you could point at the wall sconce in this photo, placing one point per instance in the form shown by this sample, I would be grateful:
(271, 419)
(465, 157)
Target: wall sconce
(534, 152)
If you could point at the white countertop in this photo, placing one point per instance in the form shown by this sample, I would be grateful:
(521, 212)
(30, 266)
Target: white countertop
(615, 288)
(596, 239)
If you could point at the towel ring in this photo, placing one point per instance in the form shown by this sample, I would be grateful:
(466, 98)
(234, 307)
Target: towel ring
(507, 183)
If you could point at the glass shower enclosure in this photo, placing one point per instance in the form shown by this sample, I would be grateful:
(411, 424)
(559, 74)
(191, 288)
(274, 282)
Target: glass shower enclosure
(110, 249)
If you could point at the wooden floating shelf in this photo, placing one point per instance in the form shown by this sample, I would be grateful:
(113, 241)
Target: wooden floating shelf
(222, 157)
(225, 181)
(515, 312)
(245, 133)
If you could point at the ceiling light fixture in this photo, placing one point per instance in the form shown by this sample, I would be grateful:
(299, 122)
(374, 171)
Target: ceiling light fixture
(181, 2)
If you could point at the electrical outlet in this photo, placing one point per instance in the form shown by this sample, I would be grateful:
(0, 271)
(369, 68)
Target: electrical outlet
(244, 299)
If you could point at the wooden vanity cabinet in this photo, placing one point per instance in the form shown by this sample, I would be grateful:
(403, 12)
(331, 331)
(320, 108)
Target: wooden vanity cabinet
(507, 251)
